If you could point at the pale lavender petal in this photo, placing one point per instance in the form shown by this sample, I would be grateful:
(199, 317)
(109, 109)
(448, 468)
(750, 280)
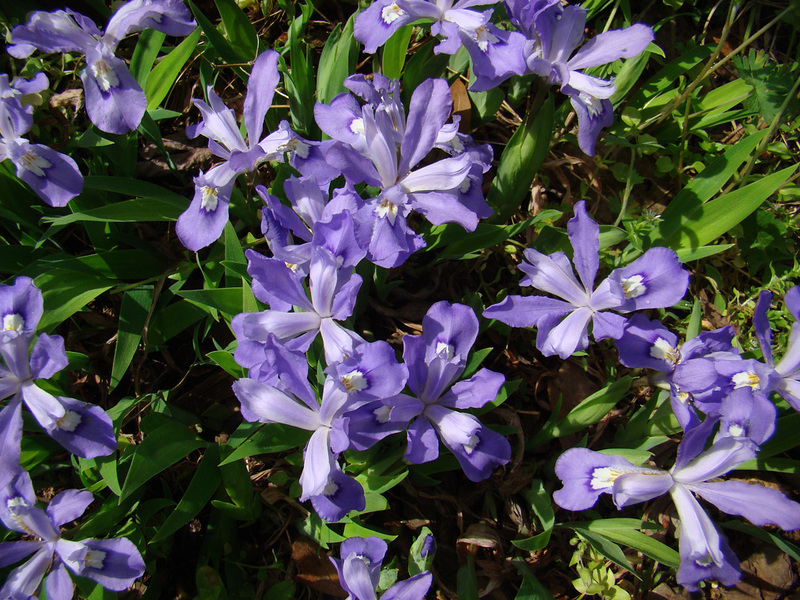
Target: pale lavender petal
(654, 280)
(17, 494)
(260, 89)
(444, 207)
(202, 223)
(723, 456)
(496, 55)
(756, 503)
(445, 174)
(48, 356)
(792, 301)
(68, 506)
(789, 365)
(485, 450)
(789, 390)
(594, 115)
(428, 111)
(353, 165)
(694, 442)
(59, 584)
(762, 327)
(277, 280)
(566, 337)
(612, 45)
(474, 392)
(607, 325)
(114, 101)
(169, 16)
(357, 577)
(49, 32)
(454, 325)
(318, 464)
(342, 494)
(285, 326)
(632, 488)
(586, 475)
(414, 588)
(120, 560)
(262, 402)
(648, 344)
(337, 340)
(745, 413)
(371, 372)
(85, 430)
(553, 274)
(342, 120)
(423, 443)
(527, 311)
(584, 235)
(10, 440)
(54, 177)
(24, 581)
(378, 22)
(45, 407)
(20, 308)
(11, 552)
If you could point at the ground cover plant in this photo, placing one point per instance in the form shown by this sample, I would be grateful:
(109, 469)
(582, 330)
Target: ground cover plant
(399, 299)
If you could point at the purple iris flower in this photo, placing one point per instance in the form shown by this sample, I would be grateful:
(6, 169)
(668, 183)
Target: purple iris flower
(435, 361)
(553, 33)
(788, 368)
(359, 570)
(314, 221)
(114, 101)
(113, 563)
(333, 291)
(654, 280)
(83, 429)
(705, 553)
(378, 146)
(53, 176)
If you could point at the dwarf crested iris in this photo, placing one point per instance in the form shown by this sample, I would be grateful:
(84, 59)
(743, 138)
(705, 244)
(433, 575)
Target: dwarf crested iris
(655, 280)
(114, 101)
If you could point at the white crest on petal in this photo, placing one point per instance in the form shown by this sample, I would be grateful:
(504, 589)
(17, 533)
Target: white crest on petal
(633, 286)
(746, 379)
(13, 322)
(391, 13)
(104, 75)
(209, 201)
(663, 350)
(34, 163)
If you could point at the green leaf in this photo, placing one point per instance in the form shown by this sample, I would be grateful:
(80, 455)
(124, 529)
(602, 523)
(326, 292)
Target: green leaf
(218, 42)
(240, 31)
(521, 158)
(761, 534)
(624, 531)
(393, 57)
(226, 361)
(145, 54)
(65, 292)
(170, 321)
(132, 317)
(165, 73)
(127, 211)
(467, 581)
(771, 83)
(228, 300)
(531, 588)
(170, 442)
(417, 563)
(337, 62)
(205, 481)
(272, 437)
(606, 547)
(715, 218)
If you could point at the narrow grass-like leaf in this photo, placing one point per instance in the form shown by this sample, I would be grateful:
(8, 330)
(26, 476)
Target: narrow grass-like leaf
(605, 547)
(165, 73)
(521, 159)
(393, 57)
(65, 292)
(204, 483)
(240, 31)
(132, 317)
(218, 42)
(337, 62)
(170, 321)
(761, 534)
(127, 211)
(228, 300)
(625, 531)
(145, 54)
(531, 588)
(272, 437)
(225, 361)
(170, 442)
(466, 580)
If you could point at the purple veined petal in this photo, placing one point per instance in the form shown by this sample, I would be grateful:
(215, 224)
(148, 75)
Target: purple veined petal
(114, 101)
(527, 311)
(442, 372)
(423, 443)
(202, 223)
(694, 441)
(371, 422)
(323, 281)
(342, 495)
(85, 430)
(114, 563)
(14, 350)
(445, 174)
(68, 506)
(758, 504)
(485, 450)
(391, 241)
(566, 337)
(612, 45)
(307, 197)
(584, 236)
(748, 414)
(21, 307)
(373, 549)
(31, 520)
(58, 583)
(371, 372)
(704, 552)
(17, 495)
(46, 408)
(648, 344)
(454, 428)
(276, 280)
(708, 342)
(586, 475)
(340, 236)
(474, 392)
(428, 111)
(697, 375)
(335, 402)
(607, 325)
(345, 299)
(260, 89)
(11, 552)
(496, 55)
(285, 325)
(49, 32)
(633, 488)
(453, 325)
(449, 39)
(566, 32)
(656, 279)
(414, 588)
(168, 16)
(54, 177)
(789, 390)
(553, 274)
(265, 403)
(789, 364)
(318, 464)
(723, 456)
(792, 301)
(338, 341)
(441, 207)
(10, 440)
(291, 369)
(593, 116)
(414, 349)
(218, 124)
(24, 581)
(381, 148)
(48, 356)
(378, 22)
(355, 167)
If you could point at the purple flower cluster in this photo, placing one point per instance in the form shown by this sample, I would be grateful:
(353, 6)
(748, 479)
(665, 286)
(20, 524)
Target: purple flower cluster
(113, 563)
(548, 35)
(655, 280)
(83, 429)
